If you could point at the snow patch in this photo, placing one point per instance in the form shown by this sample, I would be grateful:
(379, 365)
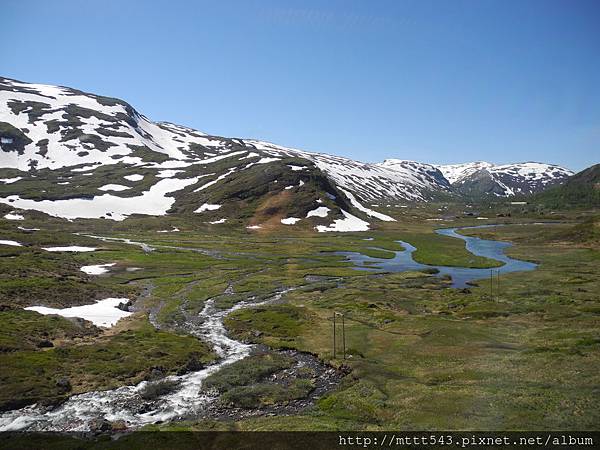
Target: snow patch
(71, 248)
(113, 187)
(104, 313)
(13, 216)
(97, 269)
(321, 211)
(10, 180)
(134, 177)
(168, 173)
(290, 220)
(207, 207)
(348, 223)
(11, 243)
(367, 211)
(153, 202)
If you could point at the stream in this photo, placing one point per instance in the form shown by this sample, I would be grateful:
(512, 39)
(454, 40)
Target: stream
(126, 404)
(461, 276)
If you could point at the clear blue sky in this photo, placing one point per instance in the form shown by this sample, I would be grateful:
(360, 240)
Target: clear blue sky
(435, 81)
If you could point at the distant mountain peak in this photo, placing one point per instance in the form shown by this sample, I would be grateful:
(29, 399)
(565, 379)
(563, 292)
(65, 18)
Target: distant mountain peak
(484, 178)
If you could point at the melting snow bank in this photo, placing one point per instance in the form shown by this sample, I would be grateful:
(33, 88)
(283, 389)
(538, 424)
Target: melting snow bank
(97, 269)
(126, 403)
(104, 313)
(153, 202)
(348, 223)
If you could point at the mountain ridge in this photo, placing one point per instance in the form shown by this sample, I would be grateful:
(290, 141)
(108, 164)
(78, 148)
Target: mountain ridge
(77, 155)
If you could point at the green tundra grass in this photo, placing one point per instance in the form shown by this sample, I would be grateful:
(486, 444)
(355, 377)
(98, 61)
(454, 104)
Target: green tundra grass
(422, 355)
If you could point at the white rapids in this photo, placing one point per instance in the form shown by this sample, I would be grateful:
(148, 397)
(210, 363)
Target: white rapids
(126, 404)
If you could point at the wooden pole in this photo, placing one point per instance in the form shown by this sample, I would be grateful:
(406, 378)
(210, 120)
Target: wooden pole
(498, 283)
(334, 335)
(344, 336)
(491, 284)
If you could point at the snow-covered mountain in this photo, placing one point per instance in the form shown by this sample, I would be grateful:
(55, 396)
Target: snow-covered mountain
(77, 155)
(483, 178)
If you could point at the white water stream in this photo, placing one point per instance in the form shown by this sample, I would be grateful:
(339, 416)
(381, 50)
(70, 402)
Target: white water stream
(126, 403)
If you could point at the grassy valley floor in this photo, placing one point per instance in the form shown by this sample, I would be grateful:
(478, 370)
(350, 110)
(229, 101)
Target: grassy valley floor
(420, 355)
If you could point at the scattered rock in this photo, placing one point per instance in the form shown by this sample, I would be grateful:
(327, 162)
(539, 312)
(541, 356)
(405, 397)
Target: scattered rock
(63, 384)
(98, 426)
(45, 343)
(156, 373)
(118, 425)
(125, 306)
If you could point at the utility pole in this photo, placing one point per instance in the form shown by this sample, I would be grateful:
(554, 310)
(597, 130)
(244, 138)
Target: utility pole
(491, 284)
(334, 335)
(344, 336)
(498, 283)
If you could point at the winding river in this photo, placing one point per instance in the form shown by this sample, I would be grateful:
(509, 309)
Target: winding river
(403, 260)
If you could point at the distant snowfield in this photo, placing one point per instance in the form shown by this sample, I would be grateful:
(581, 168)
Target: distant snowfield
(348, 223)
(97, 269)
(153, 202)
(103, 313)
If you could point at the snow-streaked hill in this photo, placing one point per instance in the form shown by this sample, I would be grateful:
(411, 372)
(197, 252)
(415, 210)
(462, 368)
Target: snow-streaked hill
(481, 178)
(77, 155)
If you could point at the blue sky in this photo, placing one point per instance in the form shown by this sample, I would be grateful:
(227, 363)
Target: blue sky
(434, 81)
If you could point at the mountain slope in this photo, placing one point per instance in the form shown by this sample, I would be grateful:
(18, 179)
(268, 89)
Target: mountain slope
(483, 179)
(77, 155)
(580, 190)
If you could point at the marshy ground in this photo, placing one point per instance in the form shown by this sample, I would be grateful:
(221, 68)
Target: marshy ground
(420, 355)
